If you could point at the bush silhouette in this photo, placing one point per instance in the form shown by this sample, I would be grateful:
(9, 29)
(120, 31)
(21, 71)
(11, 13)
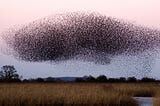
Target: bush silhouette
(79, 80)
(39, 80)
(102, 78)
(145, 79)
(90, 79)
(122, 79)
(132, 79)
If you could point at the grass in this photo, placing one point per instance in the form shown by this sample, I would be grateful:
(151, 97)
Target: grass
(65, 94)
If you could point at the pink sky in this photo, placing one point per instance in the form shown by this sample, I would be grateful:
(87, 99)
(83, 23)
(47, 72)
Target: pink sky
(145, 12)
(13, 12)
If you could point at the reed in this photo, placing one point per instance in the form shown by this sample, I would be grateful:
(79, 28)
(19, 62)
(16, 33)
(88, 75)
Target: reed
(88, 94)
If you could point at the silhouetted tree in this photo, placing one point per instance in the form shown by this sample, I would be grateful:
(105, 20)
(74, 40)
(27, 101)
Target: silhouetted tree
(113, 80)
(102, 78)
(122, 79)
(132, 79)
(39, 80)
(79, 80)
(50, 79)
(145, 79)
(90, 79)
(1, 75)
(9, 74)
(25, 80)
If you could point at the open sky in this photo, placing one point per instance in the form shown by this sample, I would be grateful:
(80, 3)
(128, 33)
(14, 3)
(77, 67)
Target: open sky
(17, 12)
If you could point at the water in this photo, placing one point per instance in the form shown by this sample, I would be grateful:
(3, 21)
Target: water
(144, 101)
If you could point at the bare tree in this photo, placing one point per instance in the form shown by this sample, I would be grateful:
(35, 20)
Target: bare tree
(9, 73)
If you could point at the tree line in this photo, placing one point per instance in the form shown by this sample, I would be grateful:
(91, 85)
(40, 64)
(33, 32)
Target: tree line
(103, 78)
(8, 73)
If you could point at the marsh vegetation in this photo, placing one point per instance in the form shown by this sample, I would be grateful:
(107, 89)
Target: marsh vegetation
(101, 94)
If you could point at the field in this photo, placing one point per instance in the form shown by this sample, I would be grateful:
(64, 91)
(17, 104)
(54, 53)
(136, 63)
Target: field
(65, 94)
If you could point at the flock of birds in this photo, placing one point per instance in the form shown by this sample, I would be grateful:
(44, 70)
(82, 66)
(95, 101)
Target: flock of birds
(80, 36)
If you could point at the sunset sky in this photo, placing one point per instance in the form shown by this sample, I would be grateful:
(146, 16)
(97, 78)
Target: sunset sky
(19, 12)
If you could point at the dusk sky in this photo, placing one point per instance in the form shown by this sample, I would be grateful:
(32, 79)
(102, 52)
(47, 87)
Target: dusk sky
(141, 12)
